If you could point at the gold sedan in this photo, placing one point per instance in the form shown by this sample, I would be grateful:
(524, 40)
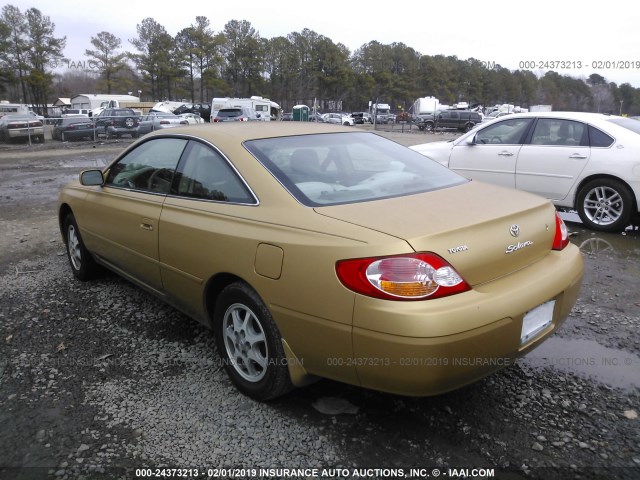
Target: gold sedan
(319, 251)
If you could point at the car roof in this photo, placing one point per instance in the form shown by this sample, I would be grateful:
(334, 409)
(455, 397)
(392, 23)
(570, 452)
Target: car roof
(238, 132)
(584, 116)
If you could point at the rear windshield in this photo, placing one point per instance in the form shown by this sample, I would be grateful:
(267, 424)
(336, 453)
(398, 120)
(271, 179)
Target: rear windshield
(628, 123)
(335, 168)
(230, 113)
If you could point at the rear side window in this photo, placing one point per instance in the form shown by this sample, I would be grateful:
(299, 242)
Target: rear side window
(559, 132)
(204, 174)
(598, 138)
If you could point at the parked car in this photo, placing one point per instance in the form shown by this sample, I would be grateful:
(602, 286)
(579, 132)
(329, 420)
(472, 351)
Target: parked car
(586, 162)
(362, 117)
(319, 251)
(316, 117)
(338, 118)
(237, 114)
(159, 120)
(496, 114)
(115, 122)
(21, 127)
(358, 118)
(73, 128)
(203, 110)
(191, 118)
(461, 120)
(287, 117)
(35, 115)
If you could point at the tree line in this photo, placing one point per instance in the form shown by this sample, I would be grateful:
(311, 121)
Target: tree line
(303, 67)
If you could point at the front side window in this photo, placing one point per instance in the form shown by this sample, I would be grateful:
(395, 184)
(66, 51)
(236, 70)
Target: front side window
(204, 174)
(149, 167)
(330, 169)
(506, 132)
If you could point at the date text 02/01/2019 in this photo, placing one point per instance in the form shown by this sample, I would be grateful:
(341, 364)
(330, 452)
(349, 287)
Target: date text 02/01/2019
(579, 64)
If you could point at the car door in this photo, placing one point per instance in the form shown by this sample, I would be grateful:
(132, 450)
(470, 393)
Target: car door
(448, 120)
(120, 219)
(490, 155)
(199, 225)
(553, 158)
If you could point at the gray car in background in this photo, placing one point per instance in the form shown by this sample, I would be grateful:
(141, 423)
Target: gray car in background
(158, 121)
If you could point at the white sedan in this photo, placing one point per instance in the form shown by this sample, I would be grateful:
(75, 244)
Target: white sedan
(588, 162)
(338, 118)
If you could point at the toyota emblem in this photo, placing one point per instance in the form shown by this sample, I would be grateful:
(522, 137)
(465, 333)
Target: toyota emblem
(514, 230)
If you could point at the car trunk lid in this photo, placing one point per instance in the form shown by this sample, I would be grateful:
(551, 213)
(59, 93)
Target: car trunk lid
(483, 231)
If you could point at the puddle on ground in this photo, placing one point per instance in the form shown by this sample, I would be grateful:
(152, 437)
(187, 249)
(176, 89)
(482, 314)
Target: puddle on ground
(586, 358)
(597, 243)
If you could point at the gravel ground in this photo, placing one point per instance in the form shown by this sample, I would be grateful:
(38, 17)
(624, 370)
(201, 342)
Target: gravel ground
(98, 379)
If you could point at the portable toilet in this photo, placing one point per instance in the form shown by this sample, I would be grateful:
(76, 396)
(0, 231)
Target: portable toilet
(300, 113)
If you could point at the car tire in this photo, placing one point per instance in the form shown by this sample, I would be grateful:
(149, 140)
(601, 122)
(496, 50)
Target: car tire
(468, 127)
(605, 205)
(250, 344)
(82, 263)
(428, 126)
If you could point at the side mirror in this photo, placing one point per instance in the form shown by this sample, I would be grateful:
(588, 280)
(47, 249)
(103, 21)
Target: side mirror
(90, 178)
(470, 140)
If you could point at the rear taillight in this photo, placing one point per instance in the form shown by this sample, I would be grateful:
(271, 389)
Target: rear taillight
(164, 122)
(561, 238)
(419, 276)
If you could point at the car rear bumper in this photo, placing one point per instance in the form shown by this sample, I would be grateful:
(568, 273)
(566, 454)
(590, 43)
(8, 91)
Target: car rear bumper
(25, 132)
(471, 337)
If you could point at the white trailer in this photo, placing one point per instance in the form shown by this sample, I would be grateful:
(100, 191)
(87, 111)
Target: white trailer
(425, 106)
(97, 102)
(540, 108)
(263, 106)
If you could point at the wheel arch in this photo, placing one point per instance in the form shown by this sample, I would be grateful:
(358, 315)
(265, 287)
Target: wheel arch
(597, 176)
(214, 287)
(63, 211)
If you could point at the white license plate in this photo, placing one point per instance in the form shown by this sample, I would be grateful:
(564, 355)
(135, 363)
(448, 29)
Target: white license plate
(536, 320)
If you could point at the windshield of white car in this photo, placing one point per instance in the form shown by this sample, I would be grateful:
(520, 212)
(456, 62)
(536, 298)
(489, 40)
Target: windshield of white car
(628, 123)
(336, 168)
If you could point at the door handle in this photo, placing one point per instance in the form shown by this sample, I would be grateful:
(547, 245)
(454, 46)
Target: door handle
(146, 226)
(506, 154)
(578, 156)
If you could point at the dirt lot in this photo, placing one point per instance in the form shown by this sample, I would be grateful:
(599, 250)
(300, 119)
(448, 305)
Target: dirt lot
(99, 379)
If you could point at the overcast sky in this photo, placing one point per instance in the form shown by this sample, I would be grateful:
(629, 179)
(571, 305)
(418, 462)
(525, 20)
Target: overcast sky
(580, 34)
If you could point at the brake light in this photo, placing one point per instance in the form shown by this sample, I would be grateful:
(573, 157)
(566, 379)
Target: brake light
(561, 238)
(420, 276)
(164, 122)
